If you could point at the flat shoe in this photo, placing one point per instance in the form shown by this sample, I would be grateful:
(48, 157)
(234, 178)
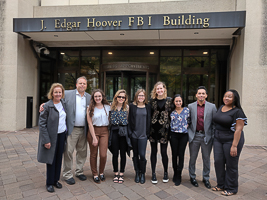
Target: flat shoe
(216, 189)
(81, 177)
(50, 188)
(58, 185)
(96, 180)
(102, 177)
(225, 193)
(70, 181)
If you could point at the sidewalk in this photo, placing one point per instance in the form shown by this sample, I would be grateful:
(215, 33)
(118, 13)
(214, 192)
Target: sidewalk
(22, 177)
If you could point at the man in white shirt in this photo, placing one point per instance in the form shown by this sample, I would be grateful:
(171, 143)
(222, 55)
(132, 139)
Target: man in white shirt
(76, 103)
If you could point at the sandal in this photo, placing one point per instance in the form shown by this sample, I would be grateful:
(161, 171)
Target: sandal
(225, 193)
(216, 189)
(121, 179)
(116, 178)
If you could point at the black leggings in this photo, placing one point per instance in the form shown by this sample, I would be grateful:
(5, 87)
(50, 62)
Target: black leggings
(164, 155)
(139, 148)
(118, 143)
(178, 144)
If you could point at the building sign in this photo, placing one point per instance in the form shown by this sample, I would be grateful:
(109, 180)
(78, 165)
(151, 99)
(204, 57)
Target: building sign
(234, 19)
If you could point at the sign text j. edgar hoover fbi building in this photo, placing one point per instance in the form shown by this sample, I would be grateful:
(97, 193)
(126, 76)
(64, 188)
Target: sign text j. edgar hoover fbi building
(133, 22)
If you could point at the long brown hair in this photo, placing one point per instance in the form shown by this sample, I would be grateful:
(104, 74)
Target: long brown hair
(115, 102)
(135, 102)
(154, 94)
(93, 103)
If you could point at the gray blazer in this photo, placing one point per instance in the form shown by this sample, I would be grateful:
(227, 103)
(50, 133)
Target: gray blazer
(209, 127)
(48, 126)
(70, 99)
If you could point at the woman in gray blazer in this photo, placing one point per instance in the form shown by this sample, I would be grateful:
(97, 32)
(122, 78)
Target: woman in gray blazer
(52, 135)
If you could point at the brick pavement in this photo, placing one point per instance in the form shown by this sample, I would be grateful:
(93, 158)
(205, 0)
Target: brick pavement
(22, 177)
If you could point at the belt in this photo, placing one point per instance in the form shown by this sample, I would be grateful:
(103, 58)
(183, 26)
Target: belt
(79, 126)
(202, 132)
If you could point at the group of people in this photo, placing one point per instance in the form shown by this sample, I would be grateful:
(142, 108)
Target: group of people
(71, 118)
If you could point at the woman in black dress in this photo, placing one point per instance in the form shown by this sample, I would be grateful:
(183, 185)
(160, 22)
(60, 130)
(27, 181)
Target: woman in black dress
(160, 110)
(139, 128)
(228, 142)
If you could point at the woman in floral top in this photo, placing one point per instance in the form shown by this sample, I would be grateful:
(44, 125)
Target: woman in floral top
(160, 123)
(118, 138)
(178, 138)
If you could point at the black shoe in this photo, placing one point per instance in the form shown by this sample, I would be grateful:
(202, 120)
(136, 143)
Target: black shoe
(81, 177)
(142, 178)
(58, 185)
(50, 188)
(194, 182)
(165, 177)
(137, 177)
(96, 180)
(102, 177)
(154, 178)
(207, 183)
(70, 181)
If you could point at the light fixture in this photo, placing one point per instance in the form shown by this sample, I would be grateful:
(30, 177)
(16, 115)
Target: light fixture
(122, 34)
(110, 53)
(205, 52)
(196, 33)
(152, 53)
(62, 53)
(55, 35)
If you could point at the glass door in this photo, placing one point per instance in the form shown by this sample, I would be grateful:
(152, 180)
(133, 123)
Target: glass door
(127, 80)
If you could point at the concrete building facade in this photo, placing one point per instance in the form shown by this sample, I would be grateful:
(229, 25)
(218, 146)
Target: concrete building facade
(243, 50)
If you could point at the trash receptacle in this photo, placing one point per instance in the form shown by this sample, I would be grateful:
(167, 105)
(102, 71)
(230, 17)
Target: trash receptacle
(29, 112)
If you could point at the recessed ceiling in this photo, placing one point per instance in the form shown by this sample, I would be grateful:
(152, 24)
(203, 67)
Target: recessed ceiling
(135, 37)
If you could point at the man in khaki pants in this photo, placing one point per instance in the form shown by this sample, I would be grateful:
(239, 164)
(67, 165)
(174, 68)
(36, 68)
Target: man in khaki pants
(76, 104)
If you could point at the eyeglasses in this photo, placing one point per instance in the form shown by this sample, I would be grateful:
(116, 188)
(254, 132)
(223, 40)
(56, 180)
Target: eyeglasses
(120, 97)
(141, 95)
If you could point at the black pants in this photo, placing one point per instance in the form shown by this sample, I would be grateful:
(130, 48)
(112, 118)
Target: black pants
(119, 145)
(226, 166)
(139, 148)
(178, 143)
(53, 171)
(164, 155)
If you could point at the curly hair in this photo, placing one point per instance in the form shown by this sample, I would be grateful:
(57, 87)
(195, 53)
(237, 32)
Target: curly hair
(154, 94)
(92, 103)
(53, 86)
(115, 102)
(135, 102)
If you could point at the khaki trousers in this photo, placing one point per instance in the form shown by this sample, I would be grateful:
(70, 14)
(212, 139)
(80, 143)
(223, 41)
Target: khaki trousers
(102, 135)
(77, 140)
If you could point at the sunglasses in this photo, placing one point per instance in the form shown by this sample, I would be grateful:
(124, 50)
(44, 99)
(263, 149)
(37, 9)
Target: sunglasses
(120, 97)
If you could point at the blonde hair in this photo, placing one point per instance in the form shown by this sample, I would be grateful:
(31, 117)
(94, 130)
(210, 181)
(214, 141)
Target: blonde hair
(115, 102)
(154, 94)
(53, 86)
(135, 102)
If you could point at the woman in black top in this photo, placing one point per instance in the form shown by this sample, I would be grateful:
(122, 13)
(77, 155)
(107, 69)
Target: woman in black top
(228, 142)
(139, 127)
(160, 110)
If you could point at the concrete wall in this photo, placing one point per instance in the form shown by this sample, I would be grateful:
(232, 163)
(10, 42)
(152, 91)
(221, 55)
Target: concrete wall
(136, 8)
(254, 90)
(17, 67)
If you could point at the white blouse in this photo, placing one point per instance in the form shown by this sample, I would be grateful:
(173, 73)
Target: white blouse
(100, 117)
(62, 118)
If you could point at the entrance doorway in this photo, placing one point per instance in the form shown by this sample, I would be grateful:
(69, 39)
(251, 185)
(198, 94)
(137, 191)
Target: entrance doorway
(129, 76)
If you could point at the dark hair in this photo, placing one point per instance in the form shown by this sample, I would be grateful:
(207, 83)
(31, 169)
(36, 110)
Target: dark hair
(172, 102)
(236, 101)
(202, 87)
(92, 103)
